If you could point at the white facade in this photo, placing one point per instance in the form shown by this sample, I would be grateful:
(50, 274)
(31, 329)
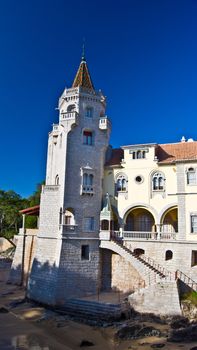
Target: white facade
(101, 209)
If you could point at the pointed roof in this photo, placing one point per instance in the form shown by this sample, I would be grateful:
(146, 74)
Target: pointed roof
(82, 77)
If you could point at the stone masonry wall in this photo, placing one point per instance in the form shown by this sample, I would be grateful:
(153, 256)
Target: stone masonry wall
(23, 258)
(42, 282)
(160, 299)
(124, 276)
(76, 276)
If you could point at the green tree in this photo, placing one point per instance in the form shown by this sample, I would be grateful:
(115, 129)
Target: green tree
(34, 199)
(10, 219)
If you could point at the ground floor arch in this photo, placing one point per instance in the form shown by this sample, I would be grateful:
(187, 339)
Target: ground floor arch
(169, 220)
(139, 219)
(118, 274)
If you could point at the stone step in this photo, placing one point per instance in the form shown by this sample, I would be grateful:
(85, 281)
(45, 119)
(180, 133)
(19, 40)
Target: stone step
(92, 302)
(92, 310)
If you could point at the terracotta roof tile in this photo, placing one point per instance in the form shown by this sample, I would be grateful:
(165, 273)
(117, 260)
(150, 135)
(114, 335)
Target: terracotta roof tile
(31, 211)
(172, 152)
(166, 153)
(116, 157)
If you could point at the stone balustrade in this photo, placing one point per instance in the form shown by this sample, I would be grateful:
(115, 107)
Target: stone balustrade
(129, 235)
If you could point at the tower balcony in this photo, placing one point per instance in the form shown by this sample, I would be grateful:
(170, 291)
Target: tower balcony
(87, 189)
(70, 116)
(104, 123)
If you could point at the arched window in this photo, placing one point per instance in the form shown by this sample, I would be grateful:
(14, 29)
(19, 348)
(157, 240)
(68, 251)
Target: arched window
(191, 176)
(87, 186)
(158, 182)
(139, 154)
(169, 255)
(121, 183)
(69, 220)
(57, 180)
(89, 112)
(88, 179)
(71, 108)
(87, 138)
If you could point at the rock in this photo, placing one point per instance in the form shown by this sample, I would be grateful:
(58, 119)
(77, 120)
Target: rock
(157, 345)
(183, 334)
(194, 348)
(136, 331)
(148, 332)
(86, 343)
(179, 322)
(189, 309)
(128, 332)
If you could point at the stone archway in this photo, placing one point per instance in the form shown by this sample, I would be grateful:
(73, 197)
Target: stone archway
(140, 220)
(169, 221)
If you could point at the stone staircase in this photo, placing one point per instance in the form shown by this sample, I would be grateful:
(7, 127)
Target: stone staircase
(149, 270)
(186, 279)
(160, 294)
(93, 310)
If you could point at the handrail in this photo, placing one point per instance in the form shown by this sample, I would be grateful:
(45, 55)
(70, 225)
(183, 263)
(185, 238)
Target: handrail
(157, 266)
(186, 279)
(151, 262)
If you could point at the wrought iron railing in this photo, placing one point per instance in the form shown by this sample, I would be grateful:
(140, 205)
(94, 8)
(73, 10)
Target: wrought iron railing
(186, 279)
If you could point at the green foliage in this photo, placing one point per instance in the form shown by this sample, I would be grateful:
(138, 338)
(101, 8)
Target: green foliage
(10, 205)
(191, 296)
(10, 220)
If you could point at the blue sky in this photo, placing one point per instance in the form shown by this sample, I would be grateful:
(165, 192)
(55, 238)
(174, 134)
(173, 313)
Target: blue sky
(141, 53)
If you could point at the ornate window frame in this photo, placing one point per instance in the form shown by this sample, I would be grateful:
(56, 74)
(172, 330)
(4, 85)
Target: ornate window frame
(87, 180)
(191, 176)
(121, 183)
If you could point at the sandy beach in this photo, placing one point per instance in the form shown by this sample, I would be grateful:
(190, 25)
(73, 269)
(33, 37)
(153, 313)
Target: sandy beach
(26, 325)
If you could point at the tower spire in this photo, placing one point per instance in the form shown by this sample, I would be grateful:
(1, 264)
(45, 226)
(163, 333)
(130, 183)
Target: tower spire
(83, 51)
(83, 77)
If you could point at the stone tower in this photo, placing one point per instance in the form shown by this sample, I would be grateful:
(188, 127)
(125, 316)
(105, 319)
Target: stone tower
(67, 259)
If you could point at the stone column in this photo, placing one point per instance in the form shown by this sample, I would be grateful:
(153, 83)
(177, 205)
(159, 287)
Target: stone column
(181, 201)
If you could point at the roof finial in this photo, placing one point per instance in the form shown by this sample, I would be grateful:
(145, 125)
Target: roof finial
(83, 51)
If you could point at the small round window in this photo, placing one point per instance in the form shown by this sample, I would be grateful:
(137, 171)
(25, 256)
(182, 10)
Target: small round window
(139, 179)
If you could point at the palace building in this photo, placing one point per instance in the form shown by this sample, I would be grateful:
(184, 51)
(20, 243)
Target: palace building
(110, 219)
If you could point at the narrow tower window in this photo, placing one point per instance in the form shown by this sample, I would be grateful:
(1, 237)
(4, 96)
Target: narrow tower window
(85, 252)
(89, 112)
(57, 180)
(88, 224)
(87, 138)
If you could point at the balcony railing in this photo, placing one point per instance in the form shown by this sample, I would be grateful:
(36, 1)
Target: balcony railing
(70, 116)
(68, 229)
(129, 235)
(87, 189)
